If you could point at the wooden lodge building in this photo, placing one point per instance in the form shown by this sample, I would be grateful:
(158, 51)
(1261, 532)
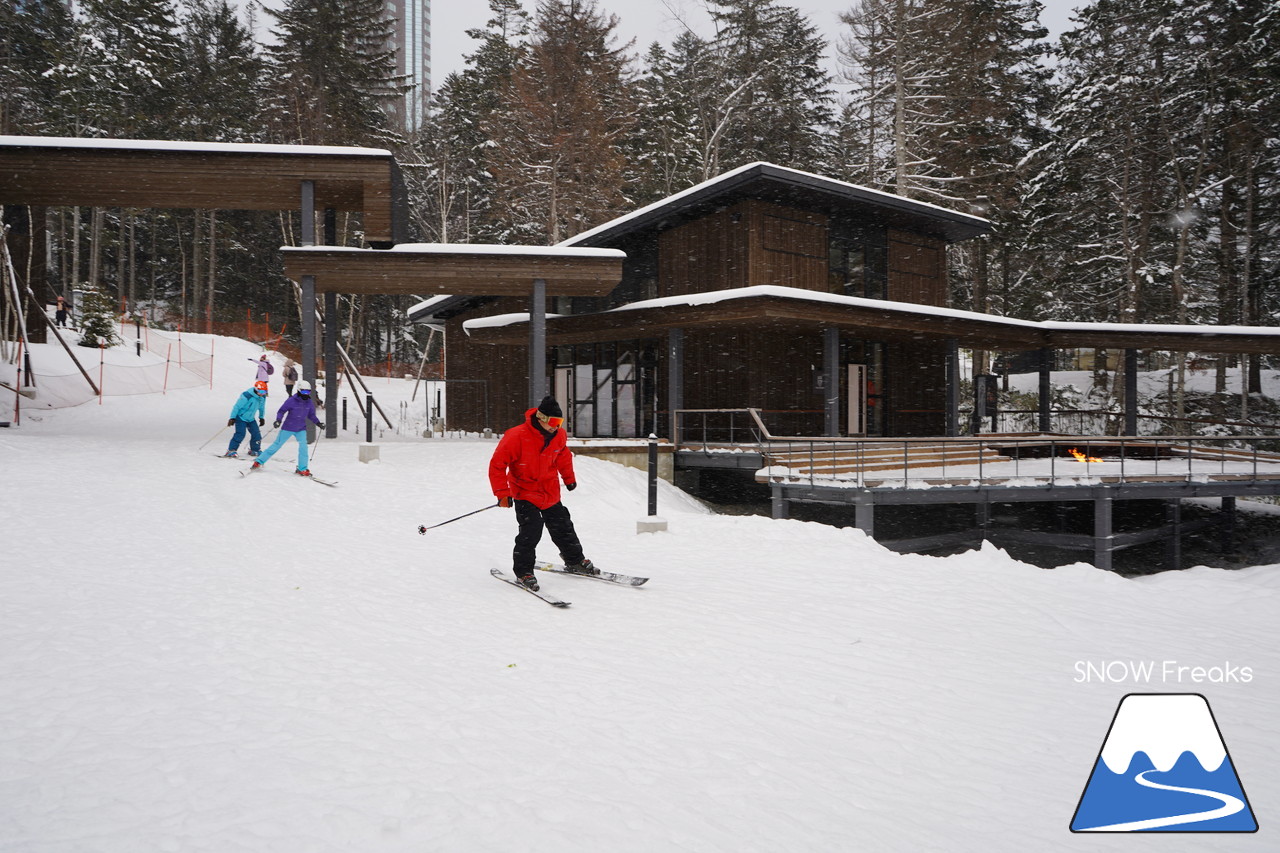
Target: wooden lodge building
(706, 318)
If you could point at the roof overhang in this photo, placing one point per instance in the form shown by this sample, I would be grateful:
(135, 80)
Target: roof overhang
(792, 187)
(456, 268)
(790, 310)
(202, 175)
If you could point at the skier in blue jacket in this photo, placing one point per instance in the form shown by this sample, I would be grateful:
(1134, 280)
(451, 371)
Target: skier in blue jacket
(247, 415)
(292, 422)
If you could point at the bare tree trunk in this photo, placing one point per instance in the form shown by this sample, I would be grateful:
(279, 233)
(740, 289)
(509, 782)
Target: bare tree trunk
(75, 248)
(213, 265)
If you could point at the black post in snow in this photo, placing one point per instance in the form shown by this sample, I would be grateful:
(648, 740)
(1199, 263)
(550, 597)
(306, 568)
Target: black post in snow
(368, 421)
(653, 474)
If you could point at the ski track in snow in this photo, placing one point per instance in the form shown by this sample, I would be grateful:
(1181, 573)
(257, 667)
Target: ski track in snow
(195, 661)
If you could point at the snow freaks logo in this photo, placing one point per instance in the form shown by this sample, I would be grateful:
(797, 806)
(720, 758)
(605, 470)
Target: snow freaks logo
(1163, 767)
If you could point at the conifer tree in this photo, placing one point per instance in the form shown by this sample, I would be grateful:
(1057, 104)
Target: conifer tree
(221, 75)
(453, 188)
(135, 60)
(34, 37)
(332, 78)
(556, 154)
(772, 56)
(97, 318)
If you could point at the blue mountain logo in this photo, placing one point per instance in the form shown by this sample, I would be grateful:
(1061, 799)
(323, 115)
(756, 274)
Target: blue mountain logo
(1164, 768)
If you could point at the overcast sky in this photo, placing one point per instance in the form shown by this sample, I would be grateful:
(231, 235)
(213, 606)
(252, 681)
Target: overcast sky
(648, 21)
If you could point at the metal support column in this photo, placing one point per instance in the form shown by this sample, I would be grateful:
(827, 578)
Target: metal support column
(538, 342)
(1173, 515)
(1046, 390)
(779, 507)
(953, 387)
(831, 381)
(1103, 532)
(1228, 524)
(1131, 392)
(675, 379)
(308, 307)
(864, 515)
(332, 384)
(982, 519)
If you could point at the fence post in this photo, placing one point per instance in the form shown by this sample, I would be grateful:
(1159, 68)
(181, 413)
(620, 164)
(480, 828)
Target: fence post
(368, 420)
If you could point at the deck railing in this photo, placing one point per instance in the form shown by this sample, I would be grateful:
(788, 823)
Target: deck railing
(917, 462)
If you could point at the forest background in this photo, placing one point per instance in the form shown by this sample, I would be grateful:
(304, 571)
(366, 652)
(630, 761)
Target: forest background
(1129, 166)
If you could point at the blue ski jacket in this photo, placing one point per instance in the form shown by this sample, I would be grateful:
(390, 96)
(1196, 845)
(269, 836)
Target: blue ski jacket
(250, 406)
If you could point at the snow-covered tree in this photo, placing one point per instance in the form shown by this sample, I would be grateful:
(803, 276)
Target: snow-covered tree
(785, 107)
(556, 155)
(97, 318)
(452, 187)
(35, 36)
(331, 75)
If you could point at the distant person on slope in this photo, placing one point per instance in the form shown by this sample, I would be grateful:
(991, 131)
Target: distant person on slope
(525, 472)
(247, 415)
(265, 368)
(290, 376)
(292, 422)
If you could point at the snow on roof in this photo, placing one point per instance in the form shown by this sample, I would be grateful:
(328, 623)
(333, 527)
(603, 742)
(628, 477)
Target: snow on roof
(935, 311)
(498, 320)
(471, 249)
(427, 304)
(830, 183)
(187, 147)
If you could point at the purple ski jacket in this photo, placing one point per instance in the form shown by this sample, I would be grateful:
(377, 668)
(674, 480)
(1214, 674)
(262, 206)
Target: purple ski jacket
(295, 413)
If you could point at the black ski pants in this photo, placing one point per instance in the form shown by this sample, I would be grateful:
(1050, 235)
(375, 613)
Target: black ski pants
(559, 525)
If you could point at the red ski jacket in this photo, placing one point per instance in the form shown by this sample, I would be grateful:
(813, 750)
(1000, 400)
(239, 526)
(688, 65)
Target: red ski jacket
(528, 467)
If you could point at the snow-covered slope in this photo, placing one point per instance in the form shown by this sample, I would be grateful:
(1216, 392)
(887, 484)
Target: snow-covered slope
(190, 660)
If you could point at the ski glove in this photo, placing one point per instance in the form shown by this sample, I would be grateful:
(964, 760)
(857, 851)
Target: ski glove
(276, 424)
(320, 424)
(261, 422)
(231, 421)
(505, 502)
(571, 486)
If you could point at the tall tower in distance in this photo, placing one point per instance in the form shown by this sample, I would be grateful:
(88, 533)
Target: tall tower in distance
(413, 57)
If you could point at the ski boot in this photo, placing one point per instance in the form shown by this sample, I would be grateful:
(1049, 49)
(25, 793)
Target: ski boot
(303, 472)
(528, 581)
(255, 466)
(231, 454)
(584, 567)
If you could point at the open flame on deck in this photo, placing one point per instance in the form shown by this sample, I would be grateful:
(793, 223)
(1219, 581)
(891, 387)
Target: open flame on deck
(1080, 457)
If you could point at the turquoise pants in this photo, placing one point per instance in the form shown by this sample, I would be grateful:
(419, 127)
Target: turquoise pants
(281, 437)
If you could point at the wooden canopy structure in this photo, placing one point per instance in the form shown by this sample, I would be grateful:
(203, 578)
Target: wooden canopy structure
(447, 268)
(38, 170)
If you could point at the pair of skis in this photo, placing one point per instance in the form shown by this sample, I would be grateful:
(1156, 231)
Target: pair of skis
(246, 472)
(554, 568)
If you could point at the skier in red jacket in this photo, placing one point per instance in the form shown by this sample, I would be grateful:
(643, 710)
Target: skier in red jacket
(525, 472)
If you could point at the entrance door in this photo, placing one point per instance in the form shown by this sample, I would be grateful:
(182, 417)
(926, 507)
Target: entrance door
(857, 418)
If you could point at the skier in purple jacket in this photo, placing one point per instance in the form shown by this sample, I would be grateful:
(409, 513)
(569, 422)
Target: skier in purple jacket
(292, 422)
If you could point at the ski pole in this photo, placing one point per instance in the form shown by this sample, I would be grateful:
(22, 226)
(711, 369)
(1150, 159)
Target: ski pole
(423, 529)
(212, 437)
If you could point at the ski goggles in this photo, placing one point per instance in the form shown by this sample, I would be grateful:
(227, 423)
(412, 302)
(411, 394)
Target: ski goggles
(550, 422)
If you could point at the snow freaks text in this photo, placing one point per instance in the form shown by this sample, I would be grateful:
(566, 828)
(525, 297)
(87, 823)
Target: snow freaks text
(1165, 672)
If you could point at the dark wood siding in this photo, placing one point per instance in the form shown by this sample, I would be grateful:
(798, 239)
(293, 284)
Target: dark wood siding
(917, 269)
(704, 255)
(750, 243)
(915, 389)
